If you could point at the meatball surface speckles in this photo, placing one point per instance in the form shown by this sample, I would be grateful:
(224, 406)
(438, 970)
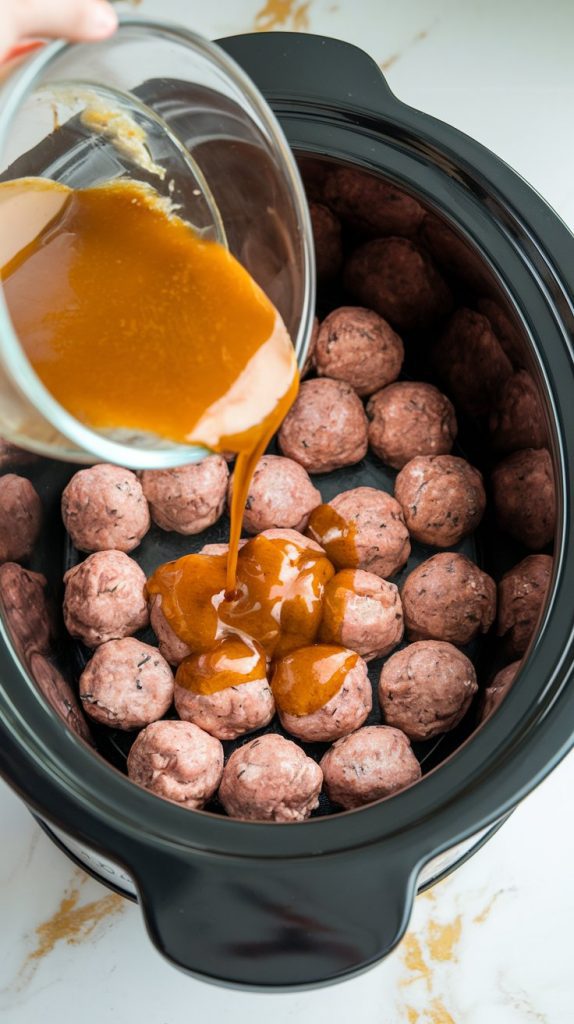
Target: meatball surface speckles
(177, 761)
(26, 611)
(408, 419)
(126, 685)
(426, 688)
(518, 420)
(370, 764)
(370, 204)
(344, 712)
(521, 595)
(105, 598)
(327, 239)
(20, 518)
(448, 598)
(187, 499)
(356, 345)
(442, 498)
(326, 428)
(281, 495)
(524, 497)
(381, 538)
(171, 647)
(495, 693)
(270, 779)
(399, 281)
(104, 507)
(59, 694)
(472, 362)
(362, 612)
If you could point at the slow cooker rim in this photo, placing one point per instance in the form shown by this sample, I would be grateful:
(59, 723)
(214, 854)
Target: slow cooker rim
(77, 811)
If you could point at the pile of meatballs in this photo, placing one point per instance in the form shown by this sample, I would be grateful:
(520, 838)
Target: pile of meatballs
(395, 265)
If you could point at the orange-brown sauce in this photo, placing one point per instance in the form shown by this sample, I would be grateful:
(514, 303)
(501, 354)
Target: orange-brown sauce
(335, 600)
(231, 662)
(309, 677)
(335, 534)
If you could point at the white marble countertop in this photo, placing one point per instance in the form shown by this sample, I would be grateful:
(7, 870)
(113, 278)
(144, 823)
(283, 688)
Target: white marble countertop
(491, 944)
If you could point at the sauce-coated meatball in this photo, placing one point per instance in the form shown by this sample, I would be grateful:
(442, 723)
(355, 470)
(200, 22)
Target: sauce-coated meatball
(362, 612)
(105, 598)
(524, 497)
(356, 345)
(363, 528)
(189, 498)
(408, 419)
(326, 428)
(20, 518)
(281, 495)
(126, 685)
(521, 595)
(104, 507)
(370, 764)
(270, 779)
(442, 498)
(171, 647)
(177, 761)
(448, 598)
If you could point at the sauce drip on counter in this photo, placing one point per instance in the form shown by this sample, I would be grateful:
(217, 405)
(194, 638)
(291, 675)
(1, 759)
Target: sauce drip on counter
(232, 661)
(335, 534)
(133, 322)
(308, 678)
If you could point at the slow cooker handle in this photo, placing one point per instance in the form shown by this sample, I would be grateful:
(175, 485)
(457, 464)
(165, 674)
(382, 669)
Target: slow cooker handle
(303, 68)
(276, 922)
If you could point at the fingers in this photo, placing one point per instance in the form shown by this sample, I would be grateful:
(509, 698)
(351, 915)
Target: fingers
(76, 20)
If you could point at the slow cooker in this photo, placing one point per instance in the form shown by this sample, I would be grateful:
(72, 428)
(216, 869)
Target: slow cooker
(279, 906)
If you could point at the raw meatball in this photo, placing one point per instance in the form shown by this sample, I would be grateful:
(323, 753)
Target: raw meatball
(448, 598)
(171, 647)
(409, 419)
(518, 421)
(187, 499)
(270, 779)
(508, 335)
(59, 694)
(442, 498)
(344, 712)
(453, 254)
(327, 239)
(20, 518)
(471, 361)
(398, 280)
(126, 685)
(370, 764)
(370, 204)
(499, 687)
(104, 507)
(427, 688)
(326, 428)
(310, 357)
(225, 691)
(280, 495)
(524, 497)
(11, 455)
(378, 538)
(177, 761)
(26, 611)
(105, 598)
(359, 347)
(521, 596)
(362, 612)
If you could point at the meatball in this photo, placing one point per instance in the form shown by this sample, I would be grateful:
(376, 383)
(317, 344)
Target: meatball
(409, 419)
(362, 612)
(362, 529)
(280, 495)
(472, 362)
(442, 498)
(399, 281)
(310, 357)
(105, 598)
(370, 764)
(304, 678)
(189, 498)
(426, 688)
(453, 254)
(524, 497)
(20, 518)
(326, 428)
(270, 779)
(59, 694)
(507, 333)
(521, 596)
(448, 598)
(26, 611)
(171, 647)
(177, 761)
(370, 204)
(359, 347)
(104, 507)
(126, 685)
(518, 420)
(495, 693)
(225, 691)
(327, 239)
(11, 455)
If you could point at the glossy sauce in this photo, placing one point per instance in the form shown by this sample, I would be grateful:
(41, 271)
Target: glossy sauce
(231, 662)
(305, 680)
(335, 600)
(335, 534)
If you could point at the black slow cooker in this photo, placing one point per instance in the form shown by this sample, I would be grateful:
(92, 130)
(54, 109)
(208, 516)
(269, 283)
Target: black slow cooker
(278, 906)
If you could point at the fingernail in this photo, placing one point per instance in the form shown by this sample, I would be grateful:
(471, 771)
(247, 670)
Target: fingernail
(101, 19)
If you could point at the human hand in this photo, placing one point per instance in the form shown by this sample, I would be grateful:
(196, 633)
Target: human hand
(77, 20)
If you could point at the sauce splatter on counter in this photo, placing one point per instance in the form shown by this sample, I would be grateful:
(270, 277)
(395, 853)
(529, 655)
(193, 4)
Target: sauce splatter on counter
(282, 14)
